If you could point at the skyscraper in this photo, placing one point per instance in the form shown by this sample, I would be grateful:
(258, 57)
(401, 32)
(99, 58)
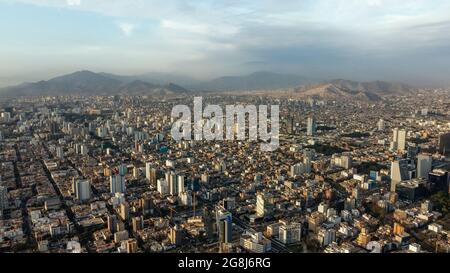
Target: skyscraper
(401, 170)
(123, 169)
(3, 199)
(151, 173)
(82, 189)
(398, 140)
(224, 225)
(173, 183)
(59, 152)
(311, 126)
(439, 180)
(444, 144)
(84, 149)
(423, 165)
(148, 167)
(117, 184)
(381, 125)
(264, 206)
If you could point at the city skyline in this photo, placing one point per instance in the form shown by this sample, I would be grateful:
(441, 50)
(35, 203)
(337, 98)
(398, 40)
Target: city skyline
(356, 40)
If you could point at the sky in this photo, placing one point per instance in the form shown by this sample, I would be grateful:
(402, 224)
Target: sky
(395, 40)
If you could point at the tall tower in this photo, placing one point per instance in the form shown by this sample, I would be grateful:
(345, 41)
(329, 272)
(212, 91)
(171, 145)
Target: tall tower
(117, 184)
(224, 225)
(82, 190)
(381, 125)
(3, 199)
(399, 172)
(398, 140)
(264, 205)
(424, 165)
(311, 126)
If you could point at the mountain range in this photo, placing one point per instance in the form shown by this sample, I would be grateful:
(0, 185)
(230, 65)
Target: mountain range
(90, 83)
(345, 89)
(159, 84)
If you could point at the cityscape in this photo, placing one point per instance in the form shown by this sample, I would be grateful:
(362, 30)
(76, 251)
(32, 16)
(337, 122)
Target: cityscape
(89, 162)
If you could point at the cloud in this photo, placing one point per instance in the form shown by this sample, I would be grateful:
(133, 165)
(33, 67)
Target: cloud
(126, 28)
(345, 36)
(73, 2)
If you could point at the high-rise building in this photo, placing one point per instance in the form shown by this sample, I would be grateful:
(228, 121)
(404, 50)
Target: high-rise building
(255, 242)
(208, 221)
(176, 235)
(181, 184)
(123, 170)
(398, 140)
(444, 144)
(3, 199)
(381, 125)
(117, 184)
(311, 126)
(326, 236)
(84, 149)
(112, 222)
(124, 211)
(401, 170)
(264, 205)
(307, 163)
(298, 169)
(439, 181)
(137, 223)
(148, 167)
(59, 152)
(224, 225)
(344, 160)
(132, 246)
(424, 163)
(162, 186)
(173, 183)
(82, 189)
(290, 233)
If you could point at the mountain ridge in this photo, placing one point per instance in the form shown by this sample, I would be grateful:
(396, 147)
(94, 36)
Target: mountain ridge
(86, 82)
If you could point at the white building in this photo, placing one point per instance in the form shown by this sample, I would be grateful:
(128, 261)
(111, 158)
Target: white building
(398, 140)
(162, 186)
(255, 242)
(264, 205)
(290, 233)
